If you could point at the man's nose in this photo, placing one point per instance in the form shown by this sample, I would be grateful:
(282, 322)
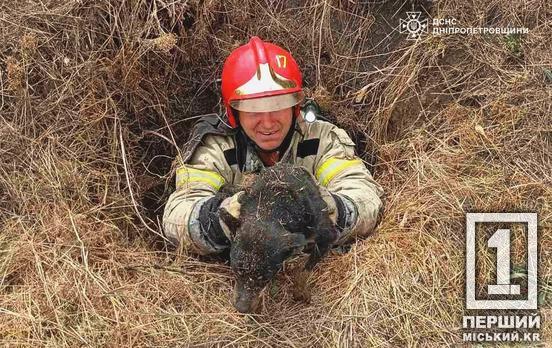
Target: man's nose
(267, 120)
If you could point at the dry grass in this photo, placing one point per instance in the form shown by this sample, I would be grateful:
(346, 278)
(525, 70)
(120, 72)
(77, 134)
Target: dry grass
(93, 95)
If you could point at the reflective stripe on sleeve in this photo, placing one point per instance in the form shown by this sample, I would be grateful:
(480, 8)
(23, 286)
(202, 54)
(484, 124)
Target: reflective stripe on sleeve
(333, 166)
(185, 175)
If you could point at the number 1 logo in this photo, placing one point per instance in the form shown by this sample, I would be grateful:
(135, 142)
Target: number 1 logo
(500, 240)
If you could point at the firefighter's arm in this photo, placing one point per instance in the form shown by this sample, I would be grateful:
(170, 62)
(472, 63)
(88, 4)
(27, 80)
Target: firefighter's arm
(189, 220)
(357, 195)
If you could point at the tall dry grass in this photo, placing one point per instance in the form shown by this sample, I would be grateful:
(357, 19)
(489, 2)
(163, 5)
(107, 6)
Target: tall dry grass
(95, 97)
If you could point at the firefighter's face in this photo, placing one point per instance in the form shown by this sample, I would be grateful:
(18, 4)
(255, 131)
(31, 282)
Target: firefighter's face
(267, 129)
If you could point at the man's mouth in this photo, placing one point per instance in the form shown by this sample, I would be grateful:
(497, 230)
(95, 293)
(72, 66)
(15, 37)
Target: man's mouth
(268, 133)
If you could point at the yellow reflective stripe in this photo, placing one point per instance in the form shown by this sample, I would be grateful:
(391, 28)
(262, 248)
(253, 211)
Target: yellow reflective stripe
(188, 174)
(188, 171)
(333, 166)
(214, 185)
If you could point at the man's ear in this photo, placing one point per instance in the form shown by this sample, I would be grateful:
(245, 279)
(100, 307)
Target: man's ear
(229, 220)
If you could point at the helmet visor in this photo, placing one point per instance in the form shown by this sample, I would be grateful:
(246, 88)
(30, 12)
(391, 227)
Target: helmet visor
(271, 103)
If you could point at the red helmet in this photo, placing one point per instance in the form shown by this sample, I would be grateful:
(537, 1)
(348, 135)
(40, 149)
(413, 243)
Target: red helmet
(260, 77)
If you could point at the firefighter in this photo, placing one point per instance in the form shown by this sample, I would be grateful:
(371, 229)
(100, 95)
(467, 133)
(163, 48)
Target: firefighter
(264, 124)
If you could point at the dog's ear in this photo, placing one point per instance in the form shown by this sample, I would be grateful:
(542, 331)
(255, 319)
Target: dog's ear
(293, 243)
(324, 241)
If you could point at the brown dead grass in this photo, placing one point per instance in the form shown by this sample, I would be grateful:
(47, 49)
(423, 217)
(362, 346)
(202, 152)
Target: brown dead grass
(93, 95)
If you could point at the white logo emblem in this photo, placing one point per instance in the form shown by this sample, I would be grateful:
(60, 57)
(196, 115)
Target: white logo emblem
(413, 26)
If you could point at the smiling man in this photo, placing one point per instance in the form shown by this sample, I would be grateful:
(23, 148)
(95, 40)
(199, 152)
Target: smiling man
(264, 124)
(266, 129)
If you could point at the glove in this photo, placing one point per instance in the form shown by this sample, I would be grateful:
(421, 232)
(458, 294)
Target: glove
(338, 210)
(328, 197)
(218, 218)
(229, 215)
(209, 222)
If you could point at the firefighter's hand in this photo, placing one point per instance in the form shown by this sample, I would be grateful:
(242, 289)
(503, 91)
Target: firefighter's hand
(229, 215)
(328, 197)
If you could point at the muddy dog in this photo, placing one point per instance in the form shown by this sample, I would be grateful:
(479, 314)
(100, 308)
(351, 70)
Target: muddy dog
(281, 213)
